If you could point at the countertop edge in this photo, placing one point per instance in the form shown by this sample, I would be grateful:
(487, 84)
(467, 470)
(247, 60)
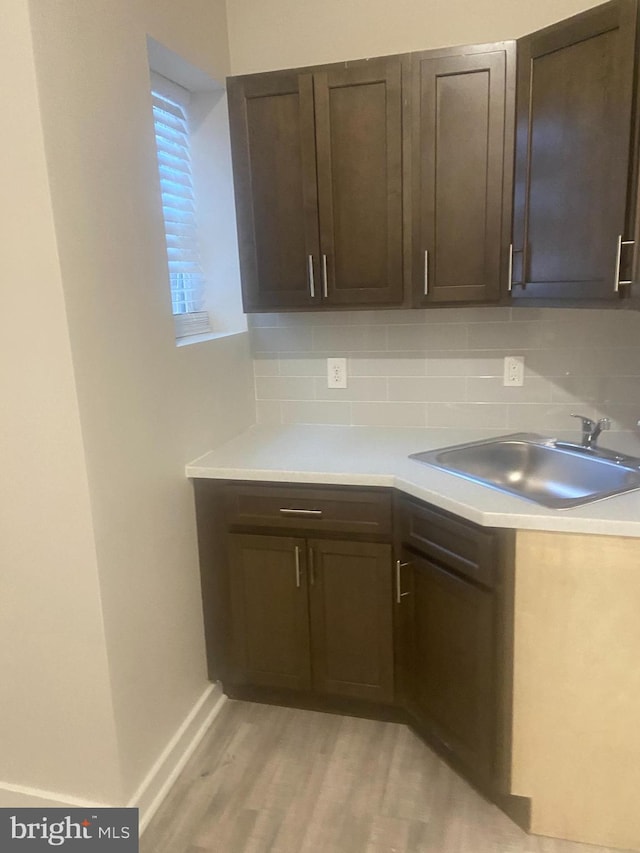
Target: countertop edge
(380, 457)
(519, 520)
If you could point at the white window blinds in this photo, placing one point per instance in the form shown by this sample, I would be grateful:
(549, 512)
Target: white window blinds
(178, 204)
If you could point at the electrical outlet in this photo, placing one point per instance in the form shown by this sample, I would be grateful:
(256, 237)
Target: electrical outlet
(513, 370)
(336, 373)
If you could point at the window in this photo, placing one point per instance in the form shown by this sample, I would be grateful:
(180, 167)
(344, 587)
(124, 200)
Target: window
(193, 150)
(173, 145)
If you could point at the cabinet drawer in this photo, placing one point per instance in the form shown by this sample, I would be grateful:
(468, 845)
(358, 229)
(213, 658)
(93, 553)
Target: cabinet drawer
(341, 510)
(469, 550)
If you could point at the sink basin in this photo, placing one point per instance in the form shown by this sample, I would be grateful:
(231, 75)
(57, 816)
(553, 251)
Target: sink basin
(552, 473)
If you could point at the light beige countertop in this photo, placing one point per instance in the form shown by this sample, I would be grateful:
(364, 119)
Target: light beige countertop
(378, 456)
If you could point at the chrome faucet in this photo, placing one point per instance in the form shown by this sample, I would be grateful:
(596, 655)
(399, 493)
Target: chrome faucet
(591, 430)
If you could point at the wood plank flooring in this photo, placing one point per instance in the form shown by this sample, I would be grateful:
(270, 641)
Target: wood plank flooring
(287, 781)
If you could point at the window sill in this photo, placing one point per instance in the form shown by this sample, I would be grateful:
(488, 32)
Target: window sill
(187, 340)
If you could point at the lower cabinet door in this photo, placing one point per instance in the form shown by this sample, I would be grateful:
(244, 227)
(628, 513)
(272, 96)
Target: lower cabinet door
(270, 617)
(350, 598)
(453, 664)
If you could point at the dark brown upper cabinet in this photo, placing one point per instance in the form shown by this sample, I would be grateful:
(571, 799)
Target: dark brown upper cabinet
(460, 133)
(317, 160)
(573, 194)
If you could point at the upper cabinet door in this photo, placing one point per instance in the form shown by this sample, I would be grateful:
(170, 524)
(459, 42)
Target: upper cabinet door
(462, 161)
(574, 107)
(274, 167)
(359, 149)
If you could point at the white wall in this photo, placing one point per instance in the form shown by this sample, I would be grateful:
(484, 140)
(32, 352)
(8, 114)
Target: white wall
(140, 408)
(287, 33)
(56, 715)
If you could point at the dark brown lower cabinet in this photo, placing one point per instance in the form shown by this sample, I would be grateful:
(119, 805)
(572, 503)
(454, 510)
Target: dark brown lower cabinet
(312, 615)
(270, 622)
(351, 619)
(454, 642)
(453, 693)
(304, 606)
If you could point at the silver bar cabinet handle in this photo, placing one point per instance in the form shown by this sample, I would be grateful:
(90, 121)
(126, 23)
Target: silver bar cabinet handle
(616, 278)
(303, 513)
(616, 281)
(325, 285)
(426, 272)
(312, 284)
(297, 566)
(399, 594)
(510, 276)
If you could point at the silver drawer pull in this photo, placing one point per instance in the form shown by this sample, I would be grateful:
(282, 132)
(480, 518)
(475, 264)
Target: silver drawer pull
(304, 513)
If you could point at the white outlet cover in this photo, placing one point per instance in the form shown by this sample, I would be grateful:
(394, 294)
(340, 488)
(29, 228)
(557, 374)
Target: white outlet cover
(336, 373)
(513, 370)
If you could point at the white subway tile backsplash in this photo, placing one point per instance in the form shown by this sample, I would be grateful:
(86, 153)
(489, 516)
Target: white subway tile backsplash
(490, 389)
(303, 366)
(389, 414)
(315, 412)
(388, 364)
(401, 316)
(281, 388)
(427, 389)
(367, 389)
(623, 361)
(579, 390)
(266, 365)
(623, 417)
(465, 363)
(255, 321)
(349, 338)
(624, 389)
(427, 337)
(270, 339)
(467, 415)
(471, 314)
(560, 361)
(547, 420)
(443, 368)
(511, 336)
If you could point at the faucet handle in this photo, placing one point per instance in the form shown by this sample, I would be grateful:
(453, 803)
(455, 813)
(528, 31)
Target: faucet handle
(587, 424)
(604, 423)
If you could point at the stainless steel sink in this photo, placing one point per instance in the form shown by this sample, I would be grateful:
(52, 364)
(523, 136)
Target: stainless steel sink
(549, 472)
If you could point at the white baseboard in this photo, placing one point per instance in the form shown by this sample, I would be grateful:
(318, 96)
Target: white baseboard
(158, 781)
(22, 797)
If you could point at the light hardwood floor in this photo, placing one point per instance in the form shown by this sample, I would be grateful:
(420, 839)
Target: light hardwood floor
(287, 781)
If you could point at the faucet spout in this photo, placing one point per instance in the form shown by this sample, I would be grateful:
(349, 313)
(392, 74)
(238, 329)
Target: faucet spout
(592, 429)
